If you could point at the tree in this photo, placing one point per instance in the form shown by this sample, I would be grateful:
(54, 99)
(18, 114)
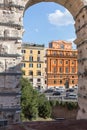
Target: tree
(33, 103)
(44, 108)
(29, 101)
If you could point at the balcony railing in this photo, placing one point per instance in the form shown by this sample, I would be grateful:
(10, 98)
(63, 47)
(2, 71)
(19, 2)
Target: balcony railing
(61, 56)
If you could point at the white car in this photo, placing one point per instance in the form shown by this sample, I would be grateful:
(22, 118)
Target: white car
(72, 96)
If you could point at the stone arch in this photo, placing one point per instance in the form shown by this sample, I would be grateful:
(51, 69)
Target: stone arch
(78, 9)
(11, 12)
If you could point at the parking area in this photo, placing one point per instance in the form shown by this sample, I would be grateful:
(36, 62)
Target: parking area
(70, 94)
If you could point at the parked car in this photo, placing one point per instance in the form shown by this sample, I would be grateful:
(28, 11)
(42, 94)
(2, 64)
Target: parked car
(56, 93)
(48, 91)
(72, 96)
(70, 90)
(60, 89)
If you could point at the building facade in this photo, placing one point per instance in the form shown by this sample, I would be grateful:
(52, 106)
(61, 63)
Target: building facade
(62, 64)
(33, 64)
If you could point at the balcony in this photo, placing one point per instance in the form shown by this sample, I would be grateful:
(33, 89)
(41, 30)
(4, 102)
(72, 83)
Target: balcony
(61, 56)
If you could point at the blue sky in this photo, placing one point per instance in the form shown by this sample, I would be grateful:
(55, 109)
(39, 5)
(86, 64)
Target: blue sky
(47, 21)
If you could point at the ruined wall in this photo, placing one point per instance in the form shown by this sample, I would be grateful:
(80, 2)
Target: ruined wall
(11, 29)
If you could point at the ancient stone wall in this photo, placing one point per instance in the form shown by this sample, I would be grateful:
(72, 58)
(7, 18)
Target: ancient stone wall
(11, 29)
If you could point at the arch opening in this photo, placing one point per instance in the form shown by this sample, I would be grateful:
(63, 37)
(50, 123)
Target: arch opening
(78, 11)
(43, 27)
(11, 30)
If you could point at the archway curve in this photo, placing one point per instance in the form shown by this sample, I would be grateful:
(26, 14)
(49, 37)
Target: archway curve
(11, 12)
(78, 9)
(71, 5)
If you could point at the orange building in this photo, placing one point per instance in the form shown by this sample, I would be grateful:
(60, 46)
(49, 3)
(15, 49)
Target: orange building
(62, 64)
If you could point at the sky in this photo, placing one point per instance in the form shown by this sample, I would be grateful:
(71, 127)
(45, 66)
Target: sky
(46, 22)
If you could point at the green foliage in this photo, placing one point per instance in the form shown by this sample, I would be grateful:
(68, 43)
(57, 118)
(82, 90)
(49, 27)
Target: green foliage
(63, 104)
(33, 103)
(28, 100)
(53, 103)
(44, 109)
(72, 105)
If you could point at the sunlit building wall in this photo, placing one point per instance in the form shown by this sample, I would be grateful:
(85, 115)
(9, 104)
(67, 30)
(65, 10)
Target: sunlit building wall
(62, 66)
(33, 65)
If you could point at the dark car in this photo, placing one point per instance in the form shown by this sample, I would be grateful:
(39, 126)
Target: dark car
(70, 90)
(48, 91)
(56, 93)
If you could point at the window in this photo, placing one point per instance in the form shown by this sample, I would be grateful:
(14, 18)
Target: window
(38, 65)
(54, 53)
(72, 62)
(38, 80)
(23, 51)
(54, 69)
(54, 62)
(72, 81)
(61, 53)
(54, 81)
(38, 52)
(60, 70)
(31, 65)
(66, 62)
(31, 51)
(67, 70)
(60, 61)
(60, 81)
(38, 58)
(62, 46)
(31, 58)
(23, 65)
(30, 72)
(38, 72)
(73, 70)
(60, 76)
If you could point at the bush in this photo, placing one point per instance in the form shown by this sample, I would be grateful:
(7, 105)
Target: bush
(72, 105)
(53, 103)
(44, 110)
